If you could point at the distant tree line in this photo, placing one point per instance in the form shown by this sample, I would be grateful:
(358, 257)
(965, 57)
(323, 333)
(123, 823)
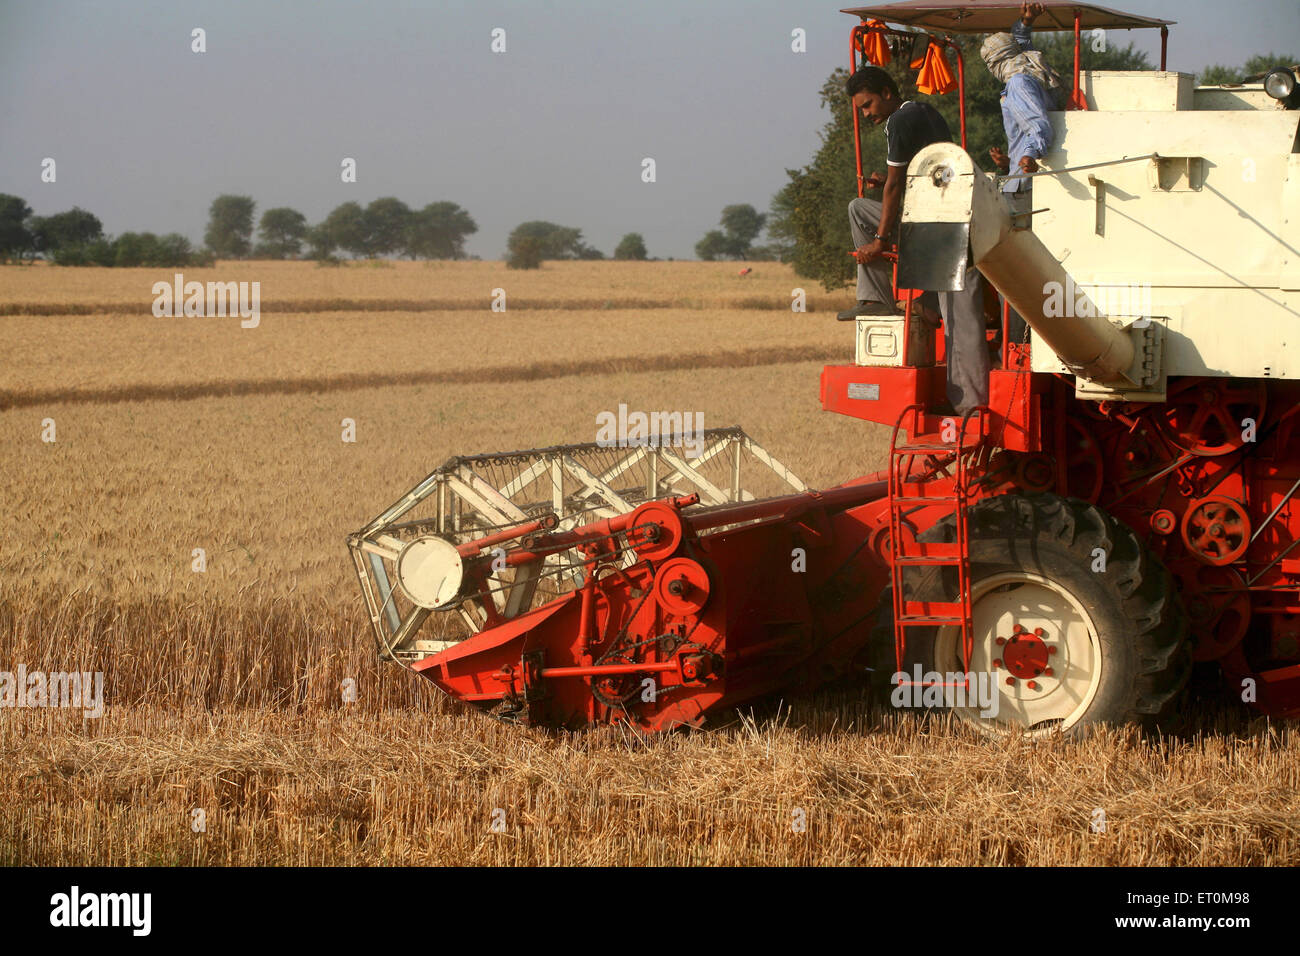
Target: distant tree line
(531, 243)
(76, 238)
(384, 227)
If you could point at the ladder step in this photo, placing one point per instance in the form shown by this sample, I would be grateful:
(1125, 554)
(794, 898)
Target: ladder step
(925, 499)
(923, 561)
(920, 683)
(940, 550)
(930, 621)
(934, 608)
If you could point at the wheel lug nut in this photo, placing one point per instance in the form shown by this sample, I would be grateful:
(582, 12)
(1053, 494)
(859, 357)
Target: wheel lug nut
(1033, 685)
(1051, 650)
(1038, 632)
(1049, 672)
(1001, 641)
(998, 662)
(1011, 681)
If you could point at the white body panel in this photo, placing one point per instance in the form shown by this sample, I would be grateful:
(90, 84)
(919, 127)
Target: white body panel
(1211, 237)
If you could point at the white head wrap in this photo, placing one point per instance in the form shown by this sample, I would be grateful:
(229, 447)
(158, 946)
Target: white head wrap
(1004, 58)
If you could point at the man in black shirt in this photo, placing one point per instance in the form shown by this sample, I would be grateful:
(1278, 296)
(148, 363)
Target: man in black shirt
(909, 128)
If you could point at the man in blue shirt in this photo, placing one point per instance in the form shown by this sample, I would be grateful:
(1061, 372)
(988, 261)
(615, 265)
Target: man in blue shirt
(1031, 90)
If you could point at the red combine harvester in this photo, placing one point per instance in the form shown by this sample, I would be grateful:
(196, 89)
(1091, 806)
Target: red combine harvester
(1121, 509)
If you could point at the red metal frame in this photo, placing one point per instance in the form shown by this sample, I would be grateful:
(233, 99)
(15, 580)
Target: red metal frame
(1077, 100)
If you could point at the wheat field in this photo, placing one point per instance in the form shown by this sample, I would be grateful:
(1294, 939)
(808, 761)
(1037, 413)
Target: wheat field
(222, 687)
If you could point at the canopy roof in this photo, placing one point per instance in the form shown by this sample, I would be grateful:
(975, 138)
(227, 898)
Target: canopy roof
(996, 16)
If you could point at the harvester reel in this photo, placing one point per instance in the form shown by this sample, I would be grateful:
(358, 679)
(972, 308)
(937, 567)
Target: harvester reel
(1208, 417)
(1216, 530)
(440, 546)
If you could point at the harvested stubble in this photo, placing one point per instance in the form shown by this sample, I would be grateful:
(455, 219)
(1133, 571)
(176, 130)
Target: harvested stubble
(423, 786)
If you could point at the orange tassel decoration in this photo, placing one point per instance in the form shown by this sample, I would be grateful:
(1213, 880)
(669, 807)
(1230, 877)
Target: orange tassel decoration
(935, 76)
(873, 46)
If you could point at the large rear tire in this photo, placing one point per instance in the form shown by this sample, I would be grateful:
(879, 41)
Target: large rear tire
(1067, 648)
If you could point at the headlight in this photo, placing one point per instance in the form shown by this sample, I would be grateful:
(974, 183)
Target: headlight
(1279, 83)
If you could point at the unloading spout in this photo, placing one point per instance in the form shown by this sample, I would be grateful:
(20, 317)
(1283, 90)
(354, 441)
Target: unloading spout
(953, 212)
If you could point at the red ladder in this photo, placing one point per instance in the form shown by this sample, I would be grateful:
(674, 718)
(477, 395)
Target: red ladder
(906, 494)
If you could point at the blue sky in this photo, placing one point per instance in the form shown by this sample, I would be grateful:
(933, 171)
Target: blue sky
(145, 133)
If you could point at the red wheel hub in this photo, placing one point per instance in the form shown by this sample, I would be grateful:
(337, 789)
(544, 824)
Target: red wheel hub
(1023, 653)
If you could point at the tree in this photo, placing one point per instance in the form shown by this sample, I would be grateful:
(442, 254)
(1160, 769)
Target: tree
(283, 231)
(1253, 69)
(780, 228)
(133, 249)
(551, 242)
(15, 238)
(345, 228)
(321, 243)
(97, 252)
(173, 249)
(810, 213)
(631, 246)
(438, 231)
(386, 221)
(525, 252)
(64, 230)
(230, 226)
(742, 224)
(714, 245)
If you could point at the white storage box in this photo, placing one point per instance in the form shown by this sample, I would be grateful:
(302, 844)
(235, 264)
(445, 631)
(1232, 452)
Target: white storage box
(880, 342)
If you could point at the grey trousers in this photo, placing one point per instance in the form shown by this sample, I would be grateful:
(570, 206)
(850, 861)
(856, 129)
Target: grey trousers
(965, 347)
(876, 279)
(963, 313)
